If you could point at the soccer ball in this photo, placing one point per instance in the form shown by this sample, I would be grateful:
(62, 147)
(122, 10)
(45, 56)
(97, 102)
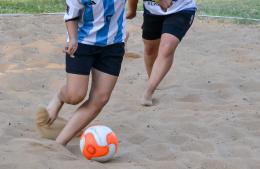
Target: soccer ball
(98, 143)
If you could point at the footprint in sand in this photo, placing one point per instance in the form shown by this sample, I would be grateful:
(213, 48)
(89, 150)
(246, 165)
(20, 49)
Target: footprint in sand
(210, 86)
(48, 131)
(216, 164)
(7, 166)
(250, 86)
(137, 138)
(193, 98)
(166, 87)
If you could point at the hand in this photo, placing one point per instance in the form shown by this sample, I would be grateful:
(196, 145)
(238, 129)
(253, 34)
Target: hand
(71, 47)
(165, 4)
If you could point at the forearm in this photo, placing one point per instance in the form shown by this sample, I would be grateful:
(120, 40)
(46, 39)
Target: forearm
(72, 45)
(71, 18)
(132, 5)
(72, 28)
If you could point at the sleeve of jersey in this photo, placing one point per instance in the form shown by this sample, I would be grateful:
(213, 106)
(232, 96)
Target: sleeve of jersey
(73, 10)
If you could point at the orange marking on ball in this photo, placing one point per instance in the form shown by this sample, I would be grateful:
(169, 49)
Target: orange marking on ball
(92, 149)
(112, 139)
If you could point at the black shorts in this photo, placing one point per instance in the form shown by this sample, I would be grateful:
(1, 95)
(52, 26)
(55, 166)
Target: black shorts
(107, 59)
(176, 24)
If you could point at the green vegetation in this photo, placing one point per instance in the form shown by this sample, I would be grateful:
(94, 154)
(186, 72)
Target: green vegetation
(238, 8)
(31, 6)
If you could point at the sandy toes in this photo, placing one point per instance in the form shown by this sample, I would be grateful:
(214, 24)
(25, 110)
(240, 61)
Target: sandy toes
(48, 131)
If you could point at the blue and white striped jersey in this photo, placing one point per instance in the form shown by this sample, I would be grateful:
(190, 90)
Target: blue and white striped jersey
(101, 22)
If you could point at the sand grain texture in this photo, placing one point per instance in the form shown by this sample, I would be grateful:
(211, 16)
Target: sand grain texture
(207, 113)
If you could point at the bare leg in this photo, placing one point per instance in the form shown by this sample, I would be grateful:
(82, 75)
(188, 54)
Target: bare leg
(99, 96)
(54, 107)
(72, 93)
(151, 48)
(161, 66)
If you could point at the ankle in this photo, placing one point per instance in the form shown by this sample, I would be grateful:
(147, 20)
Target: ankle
(149, 90)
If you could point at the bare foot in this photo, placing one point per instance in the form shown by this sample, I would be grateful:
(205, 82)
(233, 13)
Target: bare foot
(46, 130)
(147, 99)
(53, 109)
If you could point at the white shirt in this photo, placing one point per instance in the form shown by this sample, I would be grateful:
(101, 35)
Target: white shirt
(151, 7)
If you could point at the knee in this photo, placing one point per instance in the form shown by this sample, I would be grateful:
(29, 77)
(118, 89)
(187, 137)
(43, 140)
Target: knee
(74, 98)
(169, 57)
(166, 55)
(102, 99)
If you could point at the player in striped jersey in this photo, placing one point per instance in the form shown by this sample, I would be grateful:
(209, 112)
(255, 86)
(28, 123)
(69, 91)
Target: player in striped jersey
(96, 33)
(165, 24)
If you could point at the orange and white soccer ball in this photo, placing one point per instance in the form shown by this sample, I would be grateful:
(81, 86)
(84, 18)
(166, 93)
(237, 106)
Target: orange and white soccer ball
(98, 143)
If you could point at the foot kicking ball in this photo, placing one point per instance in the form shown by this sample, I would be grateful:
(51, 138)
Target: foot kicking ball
(98, 143)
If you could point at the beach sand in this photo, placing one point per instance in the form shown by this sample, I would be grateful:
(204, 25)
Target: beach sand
(207, 112)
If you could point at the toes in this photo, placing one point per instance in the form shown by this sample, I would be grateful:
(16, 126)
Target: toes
(50, 121)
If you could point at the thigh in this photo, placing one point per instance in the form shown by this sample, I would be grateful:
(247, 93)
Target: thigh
(178, 24)
(77, 84)
(102, 84)
(151, 47)
(152, 27)
(78, 69)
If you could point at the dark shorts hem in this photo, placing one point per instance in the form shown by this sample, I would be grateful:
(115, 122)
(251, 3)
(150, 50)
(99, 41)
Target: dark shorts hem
(176, 24)
(77, 72)
(107, 71)
(107, 59)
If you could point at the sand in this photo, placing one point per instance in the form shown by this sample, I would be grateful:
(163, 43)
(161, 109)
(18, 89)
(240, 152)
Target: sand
(207, 112)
